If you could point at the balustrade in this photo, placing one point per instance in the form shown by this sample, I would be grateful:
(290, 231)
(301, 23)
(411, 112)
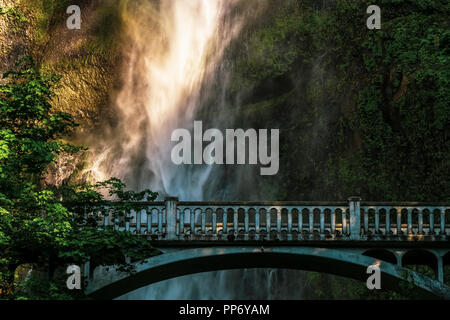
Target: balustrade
(286, 221)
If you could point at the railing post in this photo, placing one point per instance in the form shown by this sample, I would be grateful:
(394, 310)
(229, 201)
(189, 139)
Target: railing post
(203, 217)
(138, 222)
(440, 269)
(355, 218)
(181, 226)
(171, 217)
(431, 222)
(214, 221)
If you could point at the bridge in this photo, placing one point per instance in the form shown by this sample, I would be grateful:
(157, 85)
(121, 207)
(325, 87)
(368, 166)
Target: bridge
(341, 238)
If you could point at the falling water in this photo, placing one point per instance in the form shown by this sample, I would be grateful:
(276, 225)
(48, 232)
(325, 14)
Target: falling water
(176, 48)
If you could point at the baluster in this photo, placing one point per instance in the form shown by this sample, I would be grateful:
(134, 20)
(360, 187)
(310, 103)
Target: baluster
(149, 221)
(178, 226)
(377, 220)
(322, 221)
(192, 211)
(268, 220)
(170, 218)
(300, 220)
(355, 217)
(106, 221)
(138, 222)
(160, 222)
(203, 215)
(127, 220)
(399, 221)
(214, 221)
(257, 226)
(388, 221)
(116, 222)
(333, 220)
(344, 221)
(246, 218)
(289, 226)
(165, 224)
(420, 220)
(278, 220)
(289, 220)
(224, 222)
(431, 211)
(182, 221)
(442, 221)
(235, 221)
(366, 221)
(311, 220)
(409, 220)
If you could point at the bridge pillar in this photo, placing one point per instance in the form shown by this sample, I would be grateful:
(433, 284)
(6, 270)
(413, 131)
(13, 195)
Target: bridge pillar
(355, 218)
(171, 217)
(440, 269)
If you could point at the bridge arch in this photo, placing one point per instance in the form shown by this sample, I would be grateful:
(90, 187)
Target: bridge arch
(382, 254)
(421, 257)
(347, 263)
(446, 259)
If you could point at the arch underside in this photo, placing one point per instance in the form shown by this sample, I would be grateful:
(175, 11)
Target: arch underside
(342, 262)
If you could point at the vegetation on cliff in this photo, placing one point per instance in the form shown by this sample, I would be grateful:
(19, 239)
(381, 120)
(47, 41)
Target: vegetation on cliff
(360, 112)
(36, 228)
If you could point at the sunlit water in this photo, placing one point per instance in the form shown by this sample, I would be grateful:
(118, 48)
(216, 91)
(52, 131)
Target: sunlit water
(176, 48)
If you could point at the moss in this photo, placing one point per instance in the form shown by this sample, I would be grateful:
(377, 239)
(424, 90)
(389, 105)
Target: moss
(264, 109)
(14, 13)
(107, 31)
(16, 17)
(45, 13)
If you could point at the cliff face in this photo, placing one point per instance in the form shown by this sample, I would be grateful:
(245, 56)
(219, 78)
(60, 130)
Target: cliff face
(84, 58)
(16, 33)
(360, 111)
(87, 60)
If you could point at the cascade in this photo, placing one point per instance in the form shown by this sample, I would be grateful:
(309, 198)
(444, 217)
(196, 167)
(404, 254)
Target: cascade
(176, 49)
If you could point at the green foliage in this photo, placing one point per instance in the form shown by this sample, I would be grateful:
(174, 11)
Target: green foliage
(13, 13)
(16, 18)
(46, 13)
(35, 226)
(372, 110)
(107, 30)
(361, 112)
(403, 110)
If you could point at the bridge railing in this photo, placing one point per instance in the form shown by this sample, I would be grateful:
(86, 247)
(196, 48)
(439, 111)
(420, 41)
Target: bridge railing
(405, 220)
(285, 221)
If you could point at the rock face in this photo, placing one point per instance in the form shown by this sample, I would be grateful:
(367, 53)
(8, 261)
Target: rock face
(86, 59)
(81, 57)
(16, 34)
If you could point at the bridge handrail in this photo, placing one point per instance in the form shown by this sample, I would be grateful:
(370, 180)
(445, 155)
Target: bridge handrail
(285, 220)
(286, 203)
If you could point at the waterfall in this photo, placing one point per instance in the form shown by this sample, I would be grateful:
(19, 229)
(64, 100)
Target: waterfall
(176, 49)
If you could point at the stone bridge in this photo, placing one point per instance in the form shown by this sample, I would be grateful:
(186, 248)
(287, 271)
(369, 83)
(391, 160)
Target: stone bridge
(341, 238)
